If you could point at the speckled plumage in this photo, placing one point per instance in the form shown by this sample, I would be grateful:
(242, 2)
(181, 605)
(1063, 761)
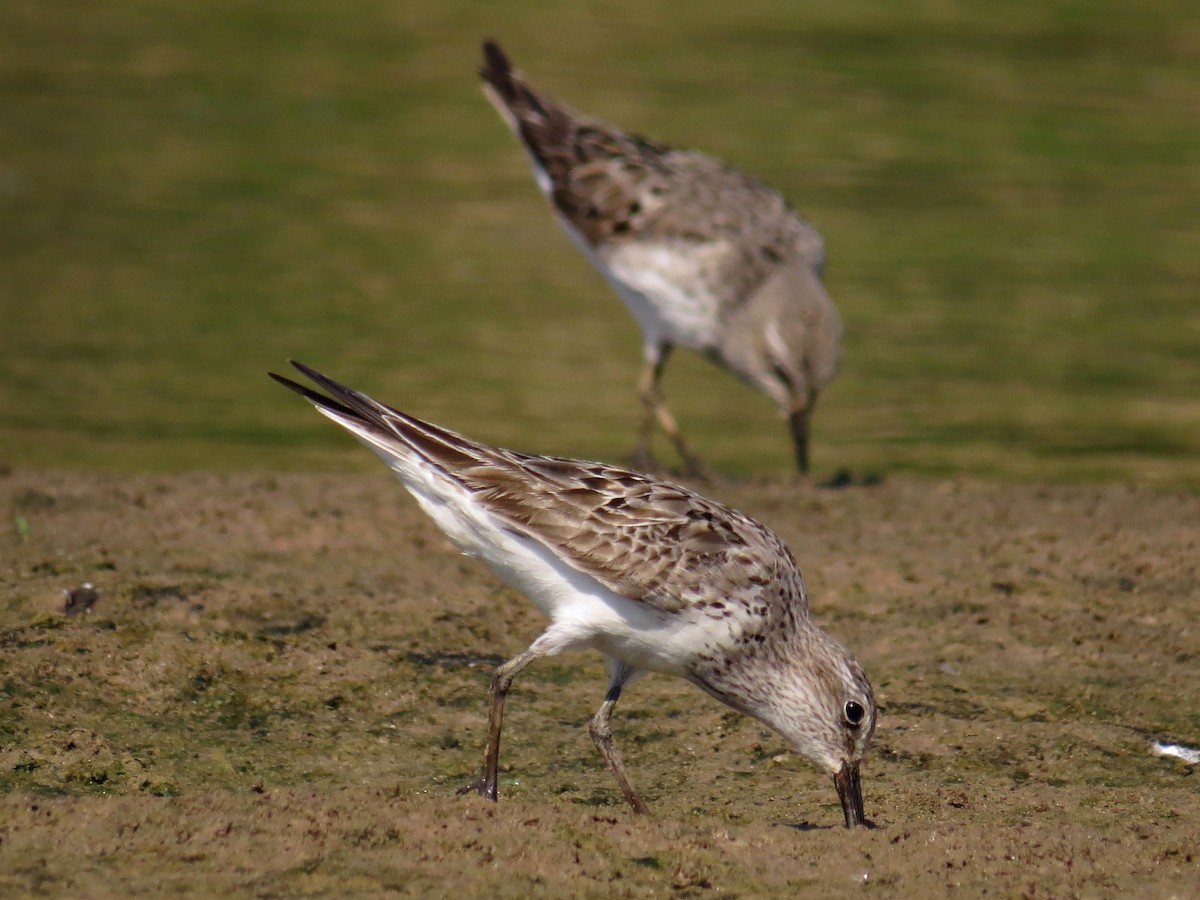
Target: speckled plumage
(703, 255)
(651, 574)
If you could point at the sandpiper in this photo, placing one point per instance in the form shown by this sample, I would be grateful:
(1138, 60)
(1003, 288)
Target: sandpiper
(703, 255)
(651, 574)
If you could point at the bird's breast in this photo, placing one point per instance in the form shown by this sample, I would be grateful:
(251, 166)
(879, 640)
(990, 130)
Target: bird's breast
(669, 287)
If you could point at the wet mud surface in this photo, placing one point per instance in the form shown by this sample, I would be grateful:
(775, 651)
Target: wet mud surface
(265, 686)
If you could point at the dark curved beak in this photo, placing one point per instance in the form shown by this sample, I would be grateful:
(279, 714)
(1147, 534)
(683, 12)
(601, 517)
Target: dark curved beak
(850, 793)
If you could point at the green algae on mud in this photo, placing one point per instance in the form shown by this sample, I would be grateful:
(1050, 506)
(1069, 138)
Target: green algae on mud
(282, 683)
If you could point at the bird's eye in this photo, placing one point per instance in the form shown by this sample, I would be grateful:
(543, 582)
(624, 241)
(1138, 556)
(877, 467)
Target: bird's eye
(854, 713)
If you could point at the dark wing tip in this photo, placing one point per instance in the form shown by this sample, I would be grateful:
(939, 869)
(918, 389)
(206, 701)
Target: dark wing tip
(309, 394)
(494, 56)
(497, 67)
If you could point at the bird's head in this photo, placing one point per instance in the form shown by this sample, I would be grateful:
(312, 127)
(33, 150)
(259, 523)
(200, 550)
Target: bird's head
(817, 697)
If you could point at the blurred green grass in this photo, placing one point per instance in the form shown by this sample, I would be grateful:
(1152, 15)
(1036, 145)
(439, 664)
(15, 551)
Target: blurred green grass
(190, 195)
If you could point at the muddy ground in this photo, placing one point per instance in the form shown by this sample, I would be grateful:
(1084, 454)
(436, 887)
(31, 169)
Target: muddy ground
(281, 682)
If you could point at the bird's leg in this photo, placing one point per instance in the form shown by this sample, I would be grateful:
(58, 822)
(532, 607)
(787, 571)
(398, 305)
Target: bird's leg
(643, 454)
(602, 736)
(798, 421)
(798, 425)
(693, 466)
(653, 408)
(502, 680)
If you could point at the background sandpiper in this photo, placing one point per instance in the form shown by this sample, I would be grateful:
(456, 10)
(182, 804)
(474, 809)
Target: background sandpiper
(703, 255)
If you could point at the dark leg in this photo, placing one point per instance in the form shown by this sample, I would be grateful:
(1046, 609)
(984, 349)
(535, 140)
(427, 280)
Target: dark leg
(602, 735)
(502, 680)
(798, 424)
(798, 420)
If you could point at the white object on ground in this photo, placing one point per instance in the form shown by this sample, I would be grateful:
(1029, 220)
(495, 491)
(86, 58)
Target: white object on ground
(1187, 754)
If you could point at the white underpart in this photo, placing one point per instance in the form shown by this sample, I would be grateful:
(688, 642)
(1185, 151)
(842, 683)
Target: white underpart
(663, 288)
(666, 291)
(583, 612)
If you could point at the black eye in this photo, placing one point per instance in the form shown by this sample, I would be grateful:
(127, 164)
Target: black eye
(854, 713)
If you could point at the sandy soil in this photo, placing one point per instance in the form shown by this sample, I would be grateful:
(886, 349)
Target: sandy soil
(280, 682)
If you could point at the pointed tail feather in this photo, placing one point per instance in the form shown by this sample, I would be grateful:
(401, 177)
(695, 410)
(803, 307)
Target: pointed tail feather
(534, 116)
(318, 400)
(497, 70)
(384, 428)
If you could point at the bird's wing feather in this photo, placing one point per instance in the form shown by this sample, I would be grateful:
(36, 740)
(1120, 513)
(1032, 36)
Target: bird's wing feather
(640, 537)
(613, 187)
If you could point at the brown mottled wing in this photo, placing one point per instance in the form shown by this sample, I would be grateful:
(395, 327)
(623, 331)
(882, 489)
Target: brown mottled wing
(642, 538)
(645, 539)
(605, 183)
(611, 186)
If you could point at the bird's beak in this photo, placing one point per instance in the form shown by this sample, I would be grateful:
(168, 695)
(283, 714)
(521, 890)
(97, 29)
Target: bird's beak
(850, 793)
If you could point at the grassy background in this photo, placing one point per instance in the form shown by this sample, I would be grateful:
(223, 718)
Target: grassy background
(189, 195)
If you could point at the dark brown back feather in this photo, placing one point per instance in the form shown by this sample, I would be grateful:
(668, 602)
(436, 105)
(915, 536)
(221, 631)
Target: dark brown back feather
(612, 186)
(640, 537)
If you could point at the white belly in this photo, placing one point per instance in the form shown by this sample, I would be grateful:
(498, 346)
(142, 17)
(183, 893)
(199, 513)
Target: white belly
(664, 285)
(586, 614)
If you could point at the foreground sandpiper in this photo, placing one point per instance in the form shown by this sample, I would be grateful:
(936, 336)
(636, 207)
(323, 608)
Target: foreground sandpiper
(653, 575)
(704, 256)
